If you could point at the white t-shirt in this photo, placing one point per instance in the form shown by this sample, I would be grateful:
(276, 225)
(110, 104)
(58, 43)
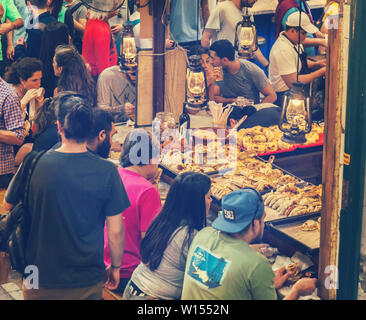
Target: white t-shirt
(223, 19)
(282, 61)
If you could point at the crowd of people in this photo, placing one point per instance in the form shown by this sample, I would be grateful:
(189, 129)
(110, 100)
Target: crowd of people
(92, 225)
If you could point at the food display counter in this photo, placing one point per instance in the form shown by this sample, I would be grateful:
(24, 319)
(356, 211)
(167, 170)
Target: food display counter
(291, 202)
(287, 178)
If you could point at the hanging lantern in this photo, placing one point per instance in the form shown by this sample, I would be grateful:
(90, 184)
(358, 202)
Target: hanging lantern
(196, 85)
(295, 120)
(128, 47)
(246, 37)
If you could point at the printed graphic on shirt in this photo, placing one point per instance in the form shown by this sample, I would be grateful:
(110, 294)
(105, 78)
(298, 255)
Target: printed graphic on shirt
(207, 269)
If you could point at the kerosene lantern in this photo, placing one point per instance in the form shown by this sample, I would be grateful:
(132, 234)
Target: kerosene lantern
(128, 49)
(246, 37)
(196, 85)
(295, 120)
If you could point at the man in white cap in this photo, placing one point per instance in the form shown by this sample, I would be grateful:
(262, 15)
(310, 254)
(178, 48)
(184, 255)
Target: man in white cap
(221, 264)
(287, 57)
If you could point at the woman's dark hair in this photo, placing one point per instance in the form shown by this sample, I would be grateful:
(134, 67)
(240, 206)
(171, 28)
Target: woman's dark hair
(75, 115)
(44, 117)
(22, 69)
(40, 4)
(198, 50)
(185, 206)
(74, 75)
(55, 8)
(138, 149)
(223, 49)
(239, 112)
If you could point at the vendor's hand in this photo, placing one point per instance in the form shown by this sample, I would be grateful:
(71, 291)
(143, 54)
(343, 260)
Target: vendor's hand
(305, 286)
(323, 70)
(324, 42)
(280, 277)
(113, 278)
(116, 28)
(129, 108)
(321, 63)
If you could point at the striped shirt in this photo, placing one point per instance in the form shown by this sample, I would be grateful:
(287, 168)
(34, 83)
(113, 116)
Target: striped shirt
(10, 120)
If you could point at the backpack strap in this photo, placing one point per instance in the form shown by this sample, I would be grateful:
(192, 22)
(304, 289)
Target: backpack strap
(30, 163)
(73, 9)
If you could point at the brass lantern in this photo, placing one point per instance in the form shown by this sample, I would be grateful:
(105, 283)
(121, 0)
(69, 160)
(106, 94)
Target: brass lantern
(128, 49)
(246, 37)
(295, 120)
(196, 85)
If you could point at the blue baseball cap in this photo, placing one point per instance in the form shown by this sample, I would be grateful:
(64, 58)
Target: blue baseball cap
(239, 209)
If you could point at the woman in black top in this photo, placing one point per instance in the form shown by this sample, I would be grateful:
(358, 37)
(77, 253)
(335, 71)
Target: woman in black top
(44, 131)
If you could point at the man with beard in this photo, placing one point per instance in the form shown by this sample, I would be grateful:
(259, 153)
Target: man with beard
(100, 138)
(223, 265)
(138, 168)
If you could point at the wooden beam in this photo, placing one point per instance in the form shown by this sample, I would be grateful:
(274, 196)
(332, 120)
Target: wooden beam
(159, 59)
(332, 161)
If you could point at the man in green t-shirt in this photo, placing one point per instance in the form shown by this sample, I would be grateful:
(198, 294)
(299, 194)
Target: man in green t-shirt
(10, 21)
(221, 264)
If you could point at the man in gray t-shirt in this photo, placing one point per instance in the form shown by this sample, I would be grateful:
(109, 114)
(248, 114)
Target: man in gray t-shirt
(240, 77)
(117, 93)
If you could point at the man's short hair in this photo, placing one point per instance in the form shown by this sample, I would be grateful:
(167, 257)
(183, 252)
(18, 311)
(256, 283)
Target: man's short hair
(224, 49)
(40, 4)
(102, 120)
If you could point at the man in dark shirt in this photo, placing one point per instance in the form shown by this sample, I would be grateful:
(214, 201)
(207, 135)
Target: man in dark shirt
(39, 18)
(264, 117)
(73, 194)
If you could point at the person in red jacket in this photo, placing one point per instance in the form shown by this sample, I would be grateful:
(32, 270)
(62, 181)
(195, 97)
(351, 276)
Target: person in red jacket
(99, 49)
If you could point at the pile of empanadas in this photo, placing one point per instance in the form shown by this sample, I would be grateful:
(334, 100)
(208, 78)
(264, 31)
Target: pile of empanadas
(291, 200)
(250, 172)
(266, 140)
(311, 225)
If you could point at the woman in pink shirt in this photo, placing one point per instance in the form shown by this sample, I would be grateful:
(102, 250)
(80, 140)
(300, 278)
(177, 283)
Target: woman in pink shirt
(144, 197)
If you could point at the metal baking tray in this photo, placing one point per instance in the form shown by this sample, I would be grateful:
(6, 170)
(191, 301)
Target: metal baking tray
(288, 230)
(168, 175)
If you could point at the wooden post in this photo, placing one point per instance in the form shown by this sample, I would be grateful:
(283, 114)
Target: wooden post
(352, 212)
(161, 78)
(336, 84)
(159, 59)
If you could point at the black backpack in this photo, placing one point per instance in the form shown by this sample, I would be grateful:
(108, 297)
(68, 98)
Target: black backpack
(15, 226)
